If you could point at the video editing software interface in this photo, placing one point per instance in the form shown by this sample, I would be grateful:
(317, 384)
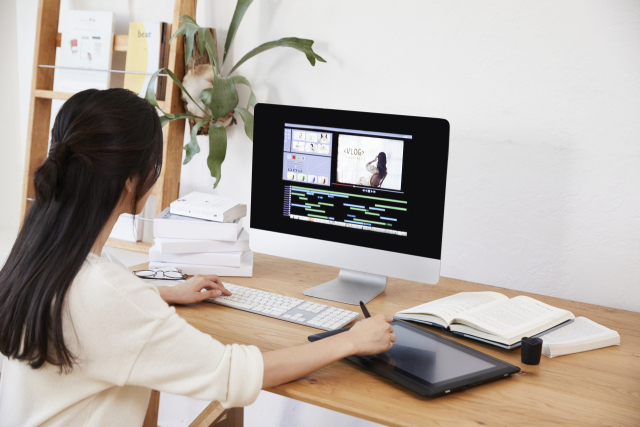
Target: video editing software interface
(347, 178)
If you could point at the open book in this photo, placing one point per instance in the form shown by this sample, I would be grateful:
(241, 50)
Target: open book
(489, 316)
(581, 335)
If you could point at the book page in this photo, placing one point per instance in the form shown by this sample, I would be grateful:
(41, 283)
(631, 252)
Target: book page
(580, 335)
(581, 329)
(452, 306)
(421, 318)
(511, 317)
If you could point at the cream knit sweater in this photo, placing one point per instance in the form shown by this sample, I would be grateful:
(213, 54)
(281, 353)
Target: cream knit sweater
(126, 340)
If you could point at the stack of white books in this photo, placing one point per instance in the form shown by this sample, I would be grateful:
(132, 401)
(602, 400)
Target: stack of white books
(202, 234)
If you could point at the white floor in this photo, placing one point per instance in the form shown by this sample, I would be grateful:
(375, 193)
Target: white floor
(269, 410)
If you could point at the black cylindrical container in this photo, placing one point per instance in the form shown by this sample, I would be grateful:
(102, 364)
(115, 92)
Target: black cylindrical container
(531, 349)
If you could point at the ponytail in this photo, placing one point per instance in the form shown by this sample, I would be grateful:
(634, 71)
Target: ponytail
(100, 139)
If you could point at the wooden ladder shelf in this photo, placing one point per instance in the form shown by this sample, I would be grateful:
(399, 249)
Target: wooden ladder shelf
(47, 39)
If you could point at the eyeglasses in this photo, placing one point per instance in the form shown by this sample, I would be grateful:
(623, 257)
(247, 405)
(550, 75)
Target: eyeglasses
(160, 274)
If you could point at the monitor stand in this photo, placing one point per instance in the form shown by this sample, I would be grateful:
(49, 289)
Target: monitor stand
(350, 287)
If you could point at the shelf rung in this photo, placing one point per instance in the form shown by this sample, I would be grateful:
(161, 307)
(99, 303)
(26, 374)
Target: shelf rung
(49, 94)
(142, 247)
(120, 42)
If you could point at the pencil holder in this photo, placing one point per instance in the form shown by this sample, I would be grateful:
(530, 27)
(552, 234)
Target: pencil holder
(531, 350)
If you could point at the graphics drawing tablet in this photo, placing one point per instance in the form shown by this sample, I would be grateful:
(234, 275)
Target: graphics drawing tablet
(429, 364)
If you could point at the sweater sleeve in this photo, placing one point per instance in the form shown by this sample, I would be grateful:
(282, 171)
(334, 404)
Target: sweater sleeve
(179, 359)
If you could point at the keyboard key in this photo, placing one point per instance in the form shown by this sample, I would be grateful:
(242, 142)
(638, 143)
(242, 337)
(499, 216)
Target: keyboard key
(235, 304)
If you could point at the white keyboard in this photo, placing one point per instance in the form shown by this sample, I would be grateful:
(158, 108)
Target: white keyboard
(285, 308)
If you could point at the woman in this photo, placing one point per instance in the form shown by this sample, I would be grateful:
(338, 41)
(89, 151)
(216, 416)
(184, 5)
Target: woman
(85, 339)
(379, 172)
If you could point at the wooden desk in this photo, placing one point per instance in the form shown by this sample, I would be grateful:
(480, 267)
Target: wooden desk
(599, 387)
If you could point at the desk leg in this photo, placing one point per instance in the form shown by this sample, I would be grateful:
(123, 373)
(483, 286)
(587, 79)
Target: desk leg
(151, 419)
(235, 417)
(213, 415)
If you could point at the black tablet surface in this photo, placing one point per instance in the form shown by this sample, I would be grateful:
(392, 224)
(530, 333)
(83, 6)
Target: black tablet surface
(428, 363)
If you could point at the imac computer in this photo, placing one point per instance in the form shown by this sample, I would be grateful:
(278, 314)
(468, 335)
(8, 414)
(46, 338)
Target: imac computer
(363, 192)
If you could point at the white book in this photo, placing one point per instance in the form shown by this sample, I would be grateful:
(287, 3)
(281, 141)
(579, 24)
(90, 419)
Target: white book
(245, 269)
(209, 207)
(86, 44)
(186, 246)
(489, 316)
(128, 228)
(222, 259)
(580, 335)
(184, 227)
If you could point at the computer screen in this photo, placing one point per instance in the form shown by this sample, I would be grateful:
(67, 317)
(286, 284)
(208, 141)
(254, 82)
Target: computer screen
(362, 179)
(361, 189)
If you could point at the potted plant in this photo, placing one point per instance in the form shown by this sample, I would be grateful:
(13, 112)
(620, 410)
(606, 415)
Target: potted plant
(219, 102)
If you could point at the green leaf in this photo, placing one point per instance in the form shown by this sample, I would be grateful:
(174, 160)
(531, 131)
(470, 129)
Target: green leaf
(188, 29)
(243, 81)
(179, 83)
(212, 48)
(178, 116)
(188, 18)
(201, 40)
(151, 91)
(221, 98)
(303, 45)
(241, 8)
(205, 39)
(164, 120)
(189, 37)
(192, 148)
(217, 150)
(247, 118)
(150, 96)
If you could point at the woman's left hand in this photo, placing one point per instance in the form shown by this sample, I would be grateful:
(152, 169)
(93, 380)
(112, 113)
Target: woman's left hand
(190, 291)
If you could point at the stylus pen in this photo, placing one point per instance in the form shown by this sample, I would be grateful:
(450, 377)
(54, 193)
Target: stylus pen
(364, 310)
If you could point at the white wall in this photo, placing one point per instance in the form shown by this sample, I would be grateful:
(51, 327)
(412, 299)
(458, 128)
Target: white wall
(10, 160)
(543, 103)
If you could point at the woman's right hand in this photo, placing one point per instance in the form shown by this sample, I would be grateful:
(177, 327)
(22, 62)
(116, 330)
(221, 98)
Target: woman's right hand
(372, 336)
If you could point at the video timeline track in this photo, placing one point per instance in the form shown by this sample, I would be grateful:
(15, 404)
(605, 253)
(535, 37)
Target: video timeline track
(356, 211)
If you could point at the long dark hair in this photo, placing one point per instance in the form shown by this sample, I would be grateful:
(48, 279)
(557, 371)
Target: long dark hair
(376, 179)
(100, 138)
